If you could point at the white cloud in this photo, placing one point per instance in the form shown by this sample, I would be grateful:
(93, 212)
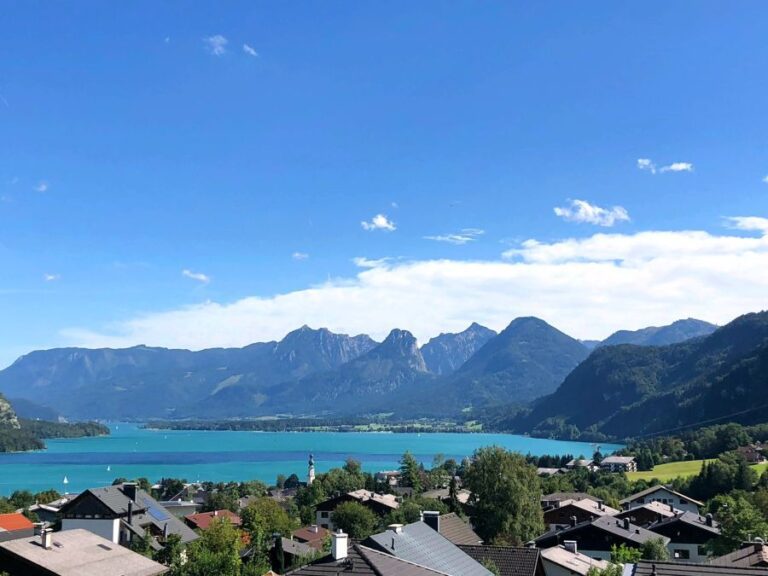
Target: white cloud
(678, 167)
(583, 212)
(250, 50)
(199, 276)
(587, 287)
(362, 262)
(51, 277)
(41, 186)
(379, 222)
(650, 166)
(646, 164)
(765, 179)
(748, 223)
(217, 44)
(167, 40)
(465, 236)
(299, 255)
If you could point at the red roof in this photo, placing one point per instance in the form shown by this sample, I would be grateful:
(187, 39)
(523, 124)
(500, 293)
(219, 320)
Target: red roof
(204, 519)
(13, 522)
(308, 535)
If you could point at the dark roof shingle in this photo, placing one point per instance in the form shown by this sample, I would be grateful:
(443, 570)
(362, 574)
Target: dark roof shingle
(510, 560)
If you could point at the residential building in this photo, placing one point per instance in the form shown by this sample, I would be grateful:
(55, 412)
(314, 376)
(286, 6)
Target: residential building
(380, 504)
(180, 508)
(421, 544)
(73, 553)
(580, 463)
(15, 525)
(658, 568)
(314, 536)
(549, 500)
(509, 560)
(444, 495)
(452, 527)
(203, 520)
(688, 535)
(583, 510)
(388, 477)
(752, 453)
(121, 513)
(664, 495)
(596, 537)
(359, 560)
(750, 555)
(294, 553)
(619, 464)
(566, 560)
(649, 513)
(49, 513)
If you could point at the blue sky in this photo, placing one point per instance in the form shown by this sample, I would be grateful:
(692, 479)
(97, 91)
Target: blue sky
(246, 143)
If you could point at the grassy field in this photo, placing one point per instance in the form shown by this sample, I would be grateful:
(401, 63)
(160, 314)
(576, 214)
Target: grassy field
(669, 471)
(672, 470)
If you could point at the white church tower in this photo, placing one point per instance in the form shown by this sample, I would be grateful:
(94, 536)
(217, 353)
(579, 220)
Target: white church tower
(311, 470)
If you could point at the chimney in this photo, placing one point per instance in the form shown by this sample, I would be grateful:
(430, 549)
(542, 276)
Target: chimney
(571, 546)
(130, 512)
(709, 519)
(671, 508)
(46, 538)
(339, 542)
(396, 528)
(165, 532)
(574, 520)
(432, 519)
(314, 528)
(129, 489)
(600, 505)
(626, 523)
(215, 513)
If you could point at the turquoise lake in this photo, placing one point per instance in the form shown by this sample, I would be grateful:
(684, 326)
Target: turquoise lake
(132, 452)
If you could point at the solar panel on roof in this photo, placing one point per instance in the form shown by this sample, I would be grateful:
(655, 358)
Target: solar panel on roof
(157, 513)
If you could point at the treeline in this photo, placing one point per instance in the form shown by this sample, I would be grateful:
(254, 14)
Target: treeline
(699, 444)
(311, 425)
(32, 432)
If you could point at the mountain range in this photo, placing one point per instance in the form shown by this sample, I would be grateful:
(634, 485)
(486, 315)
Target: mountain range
(309, 372)
(631, 390)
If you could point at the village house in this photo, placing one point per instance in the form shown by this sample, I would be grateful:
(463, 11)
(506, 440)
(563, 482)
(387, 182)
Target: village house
(15, 525)
(49, 513)
(179, 507)
(750, 555)
(664, 495)
(203, 520)
(658, 568)
(509, 560)
(380, 504)
(565, 560)
(554, 499)
(388, 477)
(581, 463)
(752, 453)
(422, 545)
(619, 464)
(314, 536)
(357, 560)
(75, 552)
(596, 537)
(121, 513)
(688, 534)
(583, 510)
(649, 513)
(452, 527)
(294, 553)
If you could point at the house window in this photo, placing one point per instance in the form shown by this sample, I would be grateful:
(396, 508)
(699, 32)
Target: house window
(702, 550)
(323, 514)
(682, 554)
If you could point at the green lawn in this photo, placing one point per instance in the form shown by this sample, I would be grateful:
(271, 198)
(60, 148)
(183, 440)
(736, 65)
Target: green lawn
(672, 470)
(669, 471)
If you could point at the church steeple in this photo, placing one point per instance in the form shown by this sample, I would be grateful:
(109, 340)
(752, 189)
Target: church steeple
(311, 470)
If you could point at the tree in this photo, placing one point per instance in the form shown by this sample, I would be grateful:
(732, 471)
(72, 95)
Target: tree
(654, 549)
(217, 551)
(506, 496)
(612, 570)
(490, 565)
(266, 516)
(355, 519)
(170, 553)
(280, 482)
(739, 521)
(625, 555)
(410, 473)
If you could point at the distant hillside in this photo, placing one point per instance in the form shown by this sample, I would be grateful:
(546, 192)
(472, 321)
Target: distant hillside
(445, 353)
(528, 359)
(8, 417)
(679, 331)
(144, 382)
(629, 390)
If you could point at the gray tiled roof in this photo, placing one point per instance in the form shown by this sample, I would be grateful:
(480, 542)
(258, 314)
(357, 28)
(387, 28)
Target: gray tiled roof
(363, 561)
(420, 544)
(510, 560)
(633, 533)
(647, 568)
(652, 489)
(691, 519)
